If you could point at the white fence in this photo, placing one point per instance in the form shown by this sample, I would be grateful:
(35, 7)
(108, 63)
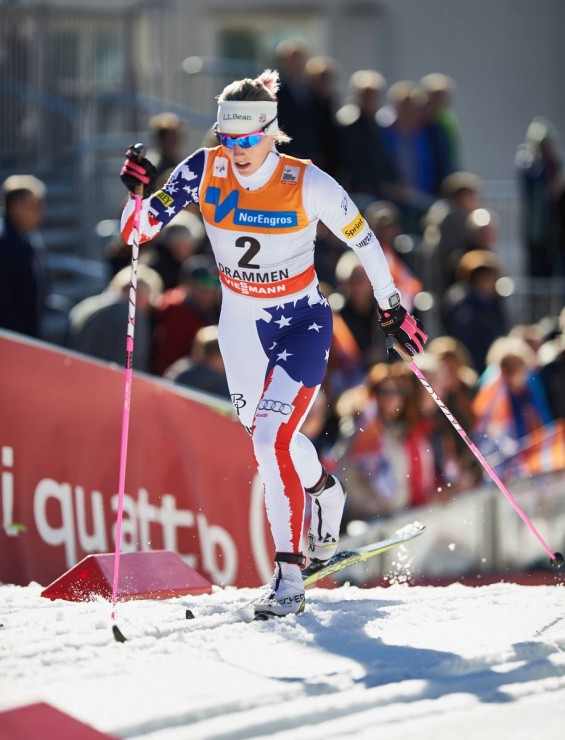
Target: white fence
(475, 533)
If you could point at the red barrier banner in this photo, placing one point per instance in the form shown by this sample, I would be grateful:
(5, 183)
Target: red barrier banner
(191, 483)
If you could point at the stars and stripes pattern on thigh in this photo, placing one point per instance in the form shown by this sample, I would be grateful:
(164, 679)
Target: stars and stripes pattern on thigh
(298, 338)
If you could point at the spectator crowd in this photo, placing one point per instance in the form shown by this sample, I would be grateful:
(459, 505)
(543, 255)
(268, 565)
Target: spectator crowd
(398, 152)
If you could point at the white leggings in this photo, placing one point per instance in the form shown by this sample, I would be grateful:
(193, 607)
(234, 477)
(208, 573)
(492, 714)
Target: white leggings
(275, 360)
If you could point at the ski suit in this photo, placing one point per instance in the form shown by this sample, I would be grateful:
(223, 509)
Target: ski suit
(275, 328)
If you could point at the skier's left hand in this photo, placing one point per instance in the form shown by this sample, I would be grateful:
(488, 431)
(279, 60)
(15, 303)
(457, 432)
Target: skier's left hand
(404, 328)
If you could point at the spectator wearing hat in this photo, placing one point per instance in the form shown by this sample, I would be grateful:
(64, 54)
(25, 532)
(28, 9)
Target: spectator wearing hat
(446, 232)
(510, 406)
(97, 325)
(183, 310)
(473, 311)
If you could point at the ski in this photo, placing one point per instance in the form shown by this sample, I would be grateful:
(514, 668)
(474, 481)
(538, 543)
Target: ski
(317, 571)
(344, 559)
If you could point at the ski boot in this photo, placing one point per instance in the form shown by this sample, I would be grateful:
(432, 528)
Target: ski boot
(328, 501)
(286, 594)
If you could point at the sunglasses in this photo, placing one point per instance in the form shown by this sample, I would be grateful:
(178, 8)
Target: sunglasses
(245, 142)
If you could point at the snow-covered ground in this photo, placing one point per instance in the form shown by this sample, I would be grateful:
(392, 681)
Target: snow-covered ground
(400, 662)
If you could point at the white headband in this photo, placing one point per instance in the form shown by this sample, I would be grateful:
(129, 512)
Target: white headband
(246, 116)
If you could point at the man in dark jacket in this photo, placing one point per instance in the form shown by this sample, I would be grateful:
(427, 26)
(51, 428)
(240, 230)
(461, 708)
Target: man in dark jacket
(368, 171)
(552, 373)
(23, 276)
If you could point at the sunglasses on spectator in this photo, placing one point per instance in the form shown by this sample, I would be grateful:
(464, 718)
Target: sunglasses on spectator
(245, 142)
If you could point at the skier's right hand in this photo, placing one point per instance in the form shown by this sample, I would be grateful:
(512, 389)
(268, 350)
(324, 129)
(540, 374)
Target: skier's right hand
(138, 172)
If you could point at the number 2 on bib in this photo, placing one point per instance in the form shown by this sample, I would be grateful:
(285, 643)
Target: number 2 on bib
(252, 246)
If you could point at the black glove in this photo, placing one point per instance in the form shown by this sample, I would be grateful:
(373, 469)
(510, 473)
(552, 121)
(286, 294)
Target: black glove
(403, 328)
(138, 170)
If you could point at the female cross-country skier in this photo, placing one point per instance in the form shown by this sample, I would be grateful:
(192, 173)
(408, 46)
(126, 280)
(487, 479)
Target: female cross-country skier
(260, 209)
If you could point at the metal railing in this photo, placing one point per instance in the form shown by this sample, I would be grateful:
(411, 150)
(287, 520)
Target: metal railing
(71, 101)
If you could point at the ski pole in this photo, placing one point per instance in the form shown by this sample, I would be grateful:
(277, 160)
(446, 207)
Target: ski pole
(140, 152)
(556, 557)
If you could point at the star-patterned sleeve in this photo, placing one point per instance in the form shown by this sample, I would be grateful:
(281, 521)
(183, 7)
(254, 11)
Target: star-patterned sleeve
(180, 190)
(326, 200)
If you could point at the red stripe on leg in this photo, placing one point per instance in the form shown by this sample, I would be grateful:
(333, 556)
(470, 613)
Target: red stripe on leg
(292, 485)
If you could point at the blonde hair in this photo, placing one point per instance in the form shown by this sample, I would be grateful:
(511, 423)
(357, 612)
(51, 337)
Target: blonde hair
(319, 66)
(366, 79)
(407, 91)
(263, 87)
(438, 82)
